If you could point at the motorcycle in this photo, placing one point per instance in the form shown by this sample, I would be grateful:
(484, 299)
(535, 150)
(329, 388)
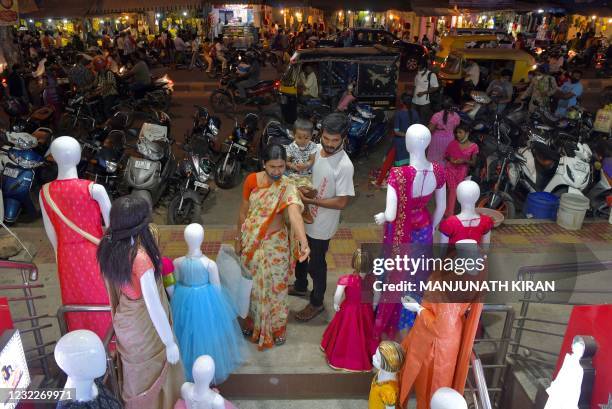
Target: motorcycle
(186, 206)
(226, 97)
(203, 135)
(104, 159)
(228, 168)
(150, 168)
(601, 189)
(19, 176)
(367, 128)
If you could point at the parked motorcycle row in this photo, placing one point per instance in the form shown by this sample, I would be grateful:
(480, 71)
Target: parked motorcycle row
(523, 153)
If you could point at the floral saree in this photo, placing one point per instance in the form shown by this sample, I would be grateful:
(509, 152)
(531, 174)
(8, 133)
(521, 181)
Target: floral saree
(270, 258)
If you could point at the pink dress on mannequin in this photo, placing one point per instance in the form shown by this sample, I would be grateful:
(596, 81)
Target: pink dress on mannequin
(412, 225)
(476, 228)
(79, 274)
(347, 341)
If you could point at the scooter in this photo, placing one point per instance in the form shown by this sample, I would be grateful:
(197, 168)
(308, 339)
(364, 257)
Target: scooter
(226, 97)
(367, 128)
(18, 176)
(149, 170)
(228, 168)
(203, 134)
(601, 190)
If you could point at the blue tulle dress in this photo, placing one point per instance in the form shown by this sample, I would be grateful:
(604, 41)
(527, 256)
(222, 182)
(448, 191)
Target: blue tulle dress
(205, 321)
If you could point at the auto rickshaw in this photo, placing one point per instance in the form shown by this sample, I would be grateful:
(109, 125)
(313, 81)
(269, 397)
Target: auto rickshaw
(373, 71)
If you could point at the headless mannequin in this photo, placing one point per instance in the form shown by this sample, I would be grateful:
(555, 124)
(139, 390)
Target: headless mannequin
(80, 354)
(339, 294)
(194, 236)
(198, 395)
(564, 391)
(66, 153)
(468, 193)
(418, 138)
(447, 398)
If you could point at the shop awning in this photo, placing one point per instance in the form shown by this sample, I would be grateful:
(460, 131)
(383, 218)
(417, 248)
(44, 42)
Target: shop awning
(59, 9)
(101, 7)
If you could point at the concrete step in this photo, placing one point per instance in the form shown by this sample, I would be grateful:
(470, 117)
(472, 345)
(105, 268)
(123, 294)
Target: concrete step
(302, 404)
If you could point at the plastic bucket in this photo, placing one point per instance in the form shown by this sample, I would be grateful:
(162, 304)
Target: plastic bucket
(572, 208)
(541, 205)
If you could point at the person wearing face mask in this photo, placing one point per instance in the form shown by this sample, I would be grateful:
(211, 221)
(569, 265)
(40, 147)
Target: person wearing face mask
(569, 93)
(266, 247)
(332, 177)
(541, 88)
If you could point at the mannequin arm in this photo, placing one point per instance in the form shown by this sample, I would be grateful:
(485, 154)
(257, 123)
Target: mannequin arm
(158, 315)
(338, 297)
(48, 225)
(213, 272)
(391, 209)
(98, 193)
(443, 238)
(440, 206)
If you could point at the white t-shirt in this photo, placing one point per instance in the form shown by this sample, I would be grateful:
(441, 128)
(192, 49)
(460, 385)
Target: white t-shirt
(421, 81)
(331, 176)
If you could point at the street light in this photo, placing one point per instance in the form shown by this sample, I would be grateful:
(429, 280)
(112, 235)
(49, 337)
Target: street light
(540, 11)
(49, 21)
(65, 21)
(185, 13)
(158, 15)
(30, 21)
(593, 17)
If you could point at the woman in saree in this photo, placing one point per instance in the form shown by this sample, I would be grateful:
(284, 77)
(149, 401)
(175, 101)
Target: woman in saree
(267, 247)
(150, 371)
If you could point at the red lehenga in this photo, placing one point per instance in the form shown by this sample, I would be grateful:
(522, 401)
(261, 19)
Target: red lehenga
(79, 274)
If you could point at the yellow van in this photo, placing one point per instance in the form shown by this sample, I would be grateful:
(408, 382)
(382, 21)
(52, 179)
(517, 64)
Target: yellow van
(490, 61)
(451, 43)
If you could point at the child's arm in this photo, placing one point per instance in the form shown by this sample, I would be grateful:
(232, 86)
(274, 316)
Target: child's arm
(338, 296)
(310, 162)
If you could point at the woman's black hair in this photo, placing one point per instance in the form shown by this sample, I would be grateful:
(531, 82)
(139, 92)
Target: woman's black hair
(274, 151)
(129, 230)
(447, 107)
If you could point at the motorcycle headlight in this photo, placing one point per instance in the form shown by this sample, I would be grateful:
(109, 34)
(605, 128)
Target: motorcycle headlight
(111, 167)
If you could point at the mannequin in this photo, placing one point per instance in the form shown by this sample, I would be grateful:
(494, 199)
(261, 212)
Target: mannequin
(438, 347)
(447, 398)
(407, 221)
(86, 205)
(347, 340)
(201, 306)
(80, 354)
(468, 224)
(199, 395)
(384, 391)
(564, 391)
(130, 261)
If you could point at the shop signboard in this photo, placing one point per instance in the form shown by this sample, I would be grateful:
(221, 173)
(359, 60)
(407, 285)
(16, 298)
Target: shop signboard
(482, 4)
(9, 15)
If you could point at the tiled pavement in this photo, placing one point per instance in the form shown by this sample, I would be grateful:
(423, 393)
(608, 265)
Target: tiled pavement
(527, 237)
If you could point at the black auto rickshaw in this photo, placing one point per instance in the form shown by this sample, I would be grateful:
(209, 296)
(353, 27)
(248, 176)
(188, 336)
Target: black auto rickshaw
(373, 71)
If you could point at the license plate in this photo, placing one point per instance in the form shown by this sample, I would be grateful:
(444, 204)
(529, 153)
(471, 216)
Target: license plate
(240, 147)
(142, 164)
(200, 184)
(11, 172)
(581, 167)
(283, 99)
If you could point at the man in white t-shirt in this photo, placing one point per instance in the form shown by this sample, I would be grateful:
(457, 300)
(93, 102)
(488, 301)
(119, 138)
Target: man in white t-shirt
(332, 177)
(425, 84)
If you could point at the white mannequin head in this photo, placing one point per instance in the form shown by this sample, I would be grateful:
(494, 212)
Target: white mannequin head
(447, 398)
(418, 138)
(194, 235)
(66, 152)
(468, 193)
(80, 354)
(203, 370)
(578, 347)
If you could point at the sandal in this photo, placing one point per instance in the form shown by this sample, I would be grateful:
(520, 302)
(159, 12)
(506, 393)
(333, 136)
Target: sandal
(309, 312)
(278, 341)
(247, 333)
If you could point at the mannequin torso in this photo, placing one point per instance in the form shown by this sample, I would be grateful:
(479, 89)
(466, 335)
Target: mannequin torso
(468, 224)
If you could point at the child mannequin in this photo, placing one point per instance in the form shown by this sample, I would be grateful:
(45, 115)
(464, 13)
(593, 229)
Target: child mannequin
(348, 339)
(300, 158)
(384, 391)
(460, 154)
(204, 319)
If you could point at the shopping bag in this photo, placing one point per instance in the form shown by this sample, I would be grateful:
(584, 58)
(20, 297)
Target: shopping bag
(235, 278)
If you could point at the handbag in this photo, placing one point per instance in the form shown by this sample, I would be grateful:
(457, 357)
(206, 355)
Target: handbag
(235, 278)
